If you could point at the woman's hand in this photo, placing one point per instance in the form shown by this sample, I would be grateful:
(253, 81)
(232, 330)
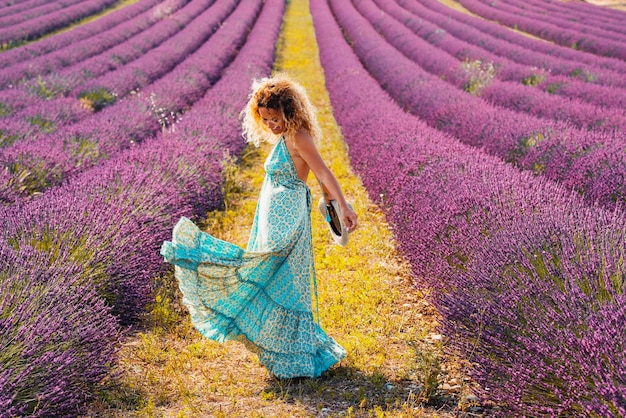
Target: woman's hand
(349, 218)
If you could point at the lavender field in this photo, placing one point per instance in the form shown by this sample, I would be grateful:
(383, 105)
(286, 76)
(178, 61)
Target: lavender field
(499, 160)
(503, 194)
(88, 201)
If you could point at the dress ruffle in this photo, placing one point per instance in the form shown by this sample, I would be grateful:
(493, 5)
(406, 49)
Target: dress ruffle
(236, 294)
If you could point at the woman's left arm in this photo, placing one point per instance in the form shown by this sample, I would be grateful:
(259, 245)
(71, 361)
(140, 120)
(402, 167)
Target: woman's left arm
(308, 152)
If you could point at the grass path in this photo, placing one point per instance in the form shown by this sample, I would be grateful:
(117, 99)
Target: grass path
(458, 7)
(396, 365)
(611, 4)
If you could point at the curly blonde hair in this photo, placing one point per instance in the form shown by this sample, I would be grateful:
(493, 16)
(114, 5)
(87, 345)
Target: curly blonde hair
(284, 95)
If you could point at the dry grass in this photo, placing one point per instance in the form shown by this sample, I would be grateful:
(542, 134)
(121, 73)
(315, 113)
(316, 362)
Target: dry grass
(458, 7)
(397, 365)
(612, 4)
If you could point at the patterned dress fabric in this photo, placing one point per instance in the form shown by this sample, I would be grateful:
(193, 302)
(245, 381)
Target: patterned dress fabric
(261, 295)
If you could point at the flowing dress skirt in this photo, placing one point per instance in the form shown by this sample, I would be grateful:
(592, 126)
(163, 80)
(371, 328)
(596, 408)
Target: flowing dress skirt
(261, 295)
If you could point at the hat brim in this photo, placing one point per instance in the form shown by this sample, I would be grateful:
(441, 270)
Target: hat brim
(338, 230)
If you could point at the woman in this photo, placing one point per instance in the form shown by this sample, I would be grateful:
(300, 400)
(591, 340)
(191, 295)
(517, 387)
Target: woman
(262, 295)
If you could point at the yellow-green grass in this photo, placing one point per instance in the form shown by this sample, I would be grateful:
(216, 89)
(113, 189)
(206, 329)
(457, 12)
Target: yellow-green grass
(457, 6)
(120, 4)
(397, 364)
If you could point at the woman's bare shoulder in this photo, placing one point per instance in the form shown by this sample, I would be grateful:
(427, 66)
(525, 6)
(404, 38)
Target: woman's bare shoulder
(303, 138)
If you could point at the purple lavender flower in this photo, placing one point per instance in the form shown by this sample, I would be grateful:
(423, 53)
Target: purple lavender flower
(497, 32)
(552, 149)
(37, 26)
(86, 46)
(98, 236)
(517, 266)
(53, 43)
(569, 37)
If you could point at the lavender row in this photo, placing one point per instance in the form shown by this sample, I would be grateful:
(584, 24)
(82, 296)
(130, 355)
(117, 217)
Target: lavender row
(474, 76)
(498, 32)
(590, 162)
(114, 218)
(58, 335)
(6, 3)
(33, 167)
(592, 16)
(162, 59)
(159, 35)
(39, 26)
(20, 7)
(160, 39)
(607, 13)
(451, 208)
(467, 40)
(87, 30)
(566, 18)
(41, 119)
(88, 47)
(579, 114)
(565, 37)
(34, 12)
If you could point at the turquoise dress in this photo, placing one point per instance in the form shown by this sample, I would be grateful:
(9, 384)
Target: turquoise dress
(262, 295)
